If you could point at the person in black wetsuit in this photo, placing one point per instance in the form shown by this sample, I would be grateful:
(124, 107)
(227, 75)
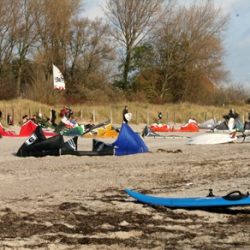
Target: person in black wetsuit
(231, 114)
(125, 111)
(159, 116)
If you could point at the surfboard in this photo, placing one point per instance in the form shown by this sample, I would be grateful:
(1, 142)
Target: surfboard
(211, 139)
(234, 198)
(128, 117)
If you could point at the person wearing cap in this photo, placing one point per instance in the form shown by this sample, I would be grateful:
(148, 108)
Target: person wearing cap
(125, 111)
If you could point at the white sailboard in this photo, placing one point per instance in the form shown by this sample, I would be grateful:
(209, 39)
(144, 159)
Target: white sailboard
(212, 139)
(128, 117)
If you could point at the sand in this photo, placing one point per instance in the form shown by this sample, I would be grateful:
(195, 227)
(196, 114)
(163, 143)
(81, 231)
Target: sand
(71, 202)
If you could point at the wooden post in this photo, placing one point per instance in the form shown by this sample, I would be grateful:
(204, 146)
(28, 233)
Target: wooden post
(111, 117)
(93, 116)
(13, 116)
(21, 117)
(6, 115)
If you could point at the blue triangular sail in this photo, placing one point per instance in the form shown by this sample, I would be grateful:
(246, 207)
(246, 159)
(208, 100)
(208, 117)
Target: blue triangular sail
(129, 142)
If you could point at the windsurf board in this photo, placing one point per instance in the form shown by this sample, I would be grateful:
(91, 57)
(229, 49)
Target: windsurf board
(128, 117)
(235, 198)
(211, 139)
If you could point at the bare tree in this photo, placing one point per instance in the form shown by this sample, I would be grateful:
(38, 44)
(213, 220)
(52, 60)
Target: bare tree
(130, 23)
(190, 46)
(53, 27)
(89, 56)
(6, 47)
(24, 35)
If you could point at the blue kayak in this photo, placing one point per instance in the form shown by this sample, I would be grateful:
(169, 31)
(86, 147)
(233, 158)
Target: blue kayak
(234, 198)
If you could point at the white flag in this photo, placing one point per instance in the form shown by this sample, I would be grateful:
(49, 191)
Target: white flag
(58, 79)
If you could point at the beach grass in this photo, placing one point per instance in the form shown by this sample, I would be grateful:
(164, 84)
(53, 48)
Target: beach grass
(145, 113)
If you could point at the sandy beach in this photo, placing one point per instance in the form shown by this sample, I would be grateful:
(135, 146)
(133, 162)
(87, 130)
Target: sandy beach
(79, 202)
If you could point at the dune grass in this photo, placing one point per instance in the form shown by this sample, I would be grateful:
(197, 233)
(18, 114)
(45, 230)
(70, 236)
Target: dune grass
(143, 113)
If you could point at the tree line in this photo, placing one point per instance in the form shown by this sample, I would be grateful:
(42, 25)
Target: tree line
(141, 50)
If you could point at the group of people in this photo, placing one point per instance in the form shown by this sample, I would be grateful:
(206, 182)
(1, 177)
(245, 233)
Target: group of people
(39, 120)
(66, 112)
(34, 119)
(232, 114)
(67, 117)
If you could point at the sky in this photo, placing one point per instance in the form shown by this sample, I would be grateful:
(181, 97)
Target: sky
(237, 41)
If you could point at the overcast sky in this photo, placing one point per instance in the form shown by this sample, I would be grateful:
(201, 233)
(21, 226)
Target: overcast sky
(237, 42)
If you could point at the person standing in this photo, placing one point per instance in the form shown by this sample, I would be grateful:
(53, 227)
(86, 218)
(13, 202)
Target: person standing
(235, 114)
(159, 116)
(25, 118)
(53, 118)
(125, 111)
(231, 114)
(34, 119)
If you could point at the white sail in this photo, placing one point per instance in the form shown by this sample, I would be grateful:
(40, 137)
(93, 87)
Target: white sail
(58, 79)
